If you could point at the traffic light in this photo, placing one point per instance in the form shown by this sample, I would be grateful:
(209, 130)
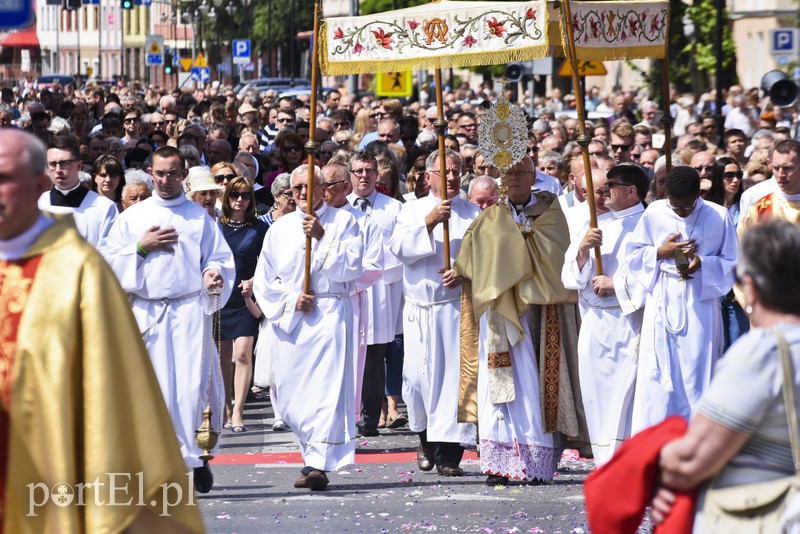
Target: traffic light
(169, 69)
(126, 4)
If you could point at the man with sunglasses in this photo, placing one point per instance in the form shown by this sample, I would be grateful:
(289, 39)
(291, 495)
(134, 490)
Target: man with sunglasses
(170, 256)
(683, 253)
(93, 213)
(622, 137)
(612, 305)
(132, 124)
(314, 379)
(706, 166)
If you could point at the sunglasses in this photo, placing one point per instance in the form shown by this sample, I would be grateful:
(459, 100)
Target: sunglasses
(701, 168)
(286, 194)
(341, 124)
(131, 120)
(624, 148)
(220, 178)
(244, 195)
(291, 148)
(326, 185)
(732, 175)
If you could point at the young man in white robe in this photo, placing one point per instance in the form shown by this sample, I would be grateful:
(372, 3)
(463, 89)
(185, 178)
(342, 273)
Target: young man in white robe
(94, 214)
(431, 315)
(386, 295)
(313, 352)
(614, 303)
(336, 184)
(683, 252)
(170, 257)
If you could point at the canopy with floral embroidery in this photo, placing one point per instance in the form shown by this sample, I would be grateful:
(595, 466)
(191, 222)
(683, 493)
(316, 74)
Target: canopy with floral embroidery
(457, 34)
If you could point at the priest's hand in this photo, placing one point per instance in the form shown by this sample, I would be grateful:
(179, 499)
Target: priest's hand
(312, 227)
(603, 286)
(247, 288)
(663, 501)
(449, 278)
(159, 239)
(439, 214)
(667, 250)
(694, 263)
(305, 302)
(212, 279)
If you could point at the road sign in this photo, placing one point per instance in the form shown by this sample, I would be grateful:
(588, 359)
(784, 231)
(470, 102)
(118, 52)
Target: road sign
(784, 44)
(154, 51)
(16, 15)
(248, 67)
(394, 84)
(201, 74)
(241, 51)
(585, 68)
(200, 60)
(186, 63)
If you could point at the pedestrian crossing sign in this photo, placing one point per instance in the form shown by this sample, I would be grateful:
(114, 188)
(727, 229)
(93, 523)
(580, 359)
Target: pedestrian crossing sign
(200, 60)
(585, 68)
(154, 48)
(394, 84)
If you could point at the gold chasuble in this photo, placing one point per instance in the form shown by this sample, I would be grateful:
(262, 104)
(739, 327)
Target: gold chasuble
(505, 271)
(772, 206)
(90, 444)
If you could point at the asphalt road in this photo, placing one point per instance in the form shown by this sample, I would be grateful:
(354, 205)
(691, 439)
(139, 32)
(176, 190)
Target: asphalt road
(383, 492)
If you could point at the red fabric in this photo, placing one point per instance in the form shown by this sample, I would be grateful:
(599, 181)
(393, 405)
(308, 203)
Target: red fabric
(16, 279)
(618, 492)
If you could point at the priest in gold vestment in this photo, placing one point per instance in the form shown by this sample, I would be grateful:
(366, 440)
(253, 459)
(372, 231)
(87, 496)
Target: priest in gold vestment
(82, 421)
(519, 332)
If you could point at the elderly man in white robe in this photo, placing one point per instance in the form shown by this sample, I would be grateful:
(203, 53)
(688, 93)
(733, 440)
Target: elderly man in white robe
(336, 181)
(614, 303)
(430, 323)
(313, 352)
(173, 261)
(683, 252)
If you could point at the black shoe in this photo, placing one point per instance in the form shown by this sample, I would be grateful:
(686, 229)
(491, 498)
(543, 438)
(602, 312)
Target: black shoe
(450, 470)
(496, 480)
(424, 459)
(316, 480)
(368, 432)
(203, 478)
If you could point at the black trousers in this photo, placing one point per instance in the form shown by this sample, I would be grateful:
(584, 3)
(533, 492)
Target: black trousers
(444, 453)
(373, 386)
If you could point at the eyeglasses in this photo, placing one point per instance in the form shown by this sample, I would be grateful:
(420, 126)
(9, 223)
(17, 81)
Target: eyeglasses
(53, 165)
(683, 209)
(327, 185)
(244, 195)
(450, 172)
(130, 120)
(168, 175)
(221, 178)
(158, 123)
(285, 119)
(365, 170)
(170, 121)
(613, 184)
(624, 148)
(286, 194)
(701, 168)
(291, 148)
(299, 188)
(377, 115)
(732, 175)
(635, 156)
(341, 124)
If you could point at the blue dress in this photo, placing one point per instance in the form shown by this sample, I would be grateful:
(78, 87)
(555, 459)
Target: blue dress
(245, 242)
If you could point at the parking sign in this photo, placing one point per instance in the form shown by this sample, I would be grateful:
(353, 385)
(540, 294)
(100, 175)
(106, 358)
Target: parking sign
(241, 51)
(783, 42)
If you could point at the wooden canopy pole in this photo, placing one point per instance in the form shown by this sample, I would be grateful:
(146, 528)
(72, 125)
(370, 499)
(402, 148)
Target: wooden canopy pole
(440, 124)
(583, 138)
(311, 145)
(666, 119)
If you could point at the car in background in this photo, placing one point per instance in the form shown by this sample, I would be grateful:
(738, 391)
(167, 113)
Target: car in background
(297, 92)
(47, 80)
(264, 84)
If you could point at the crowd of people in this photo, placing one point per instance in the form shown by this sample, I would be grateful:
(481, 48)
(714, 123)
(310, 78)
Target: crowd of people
(538, 332)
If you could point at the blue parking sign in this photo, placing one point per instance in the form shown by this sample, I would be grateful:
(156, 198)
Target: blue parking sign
(16, 14)
(784, 41)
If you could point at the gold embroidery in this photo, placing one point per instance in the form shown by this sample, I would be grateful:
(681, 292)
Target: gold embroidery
(327, 253)
(552, 355)
(14, 289)
(436, 29)
(496, 360)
